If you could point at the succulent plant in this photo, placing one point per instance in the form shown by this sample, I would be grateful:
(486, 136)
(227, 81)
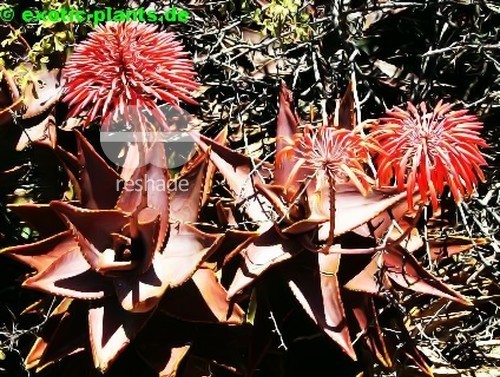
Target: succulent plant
(115, 254)
(337, 295)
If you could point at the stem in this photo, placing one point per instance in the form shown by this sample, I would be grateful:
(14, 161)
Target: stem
(142, 163)
(331, 233)
(20, 37)
(141, 147)
(141, 141)
(426, 240)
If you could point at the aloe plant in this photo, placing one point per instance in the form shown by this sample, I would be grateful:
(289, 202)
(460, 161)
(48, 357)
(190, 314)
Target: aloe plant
(314, 169)
(120, 252)
(136, 268)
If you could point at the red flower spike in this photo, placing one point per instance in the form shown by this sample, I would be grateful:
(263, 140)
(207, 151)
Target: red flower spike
(430, 149)
(325, 157)
(127, 64)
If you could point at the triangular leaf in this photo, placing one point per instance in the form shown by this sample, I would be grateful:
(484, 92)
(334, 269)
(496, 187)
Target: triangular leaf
(186, 249)
(42, 254)
(202, 299)
(59, 340)
(261, 253)
(319, 295)
(110, 330)
(70, 276)
(238, 170)
(98, 182)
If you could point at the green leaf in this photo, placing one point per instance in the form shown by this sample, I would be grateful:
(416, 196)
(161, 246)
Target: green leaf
(252, 307)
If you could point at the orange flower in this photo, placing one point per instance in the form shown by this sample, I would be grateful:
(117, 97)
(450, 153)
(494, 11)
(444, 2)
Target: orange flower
(328, 152)
(123, 65)
(431, 150)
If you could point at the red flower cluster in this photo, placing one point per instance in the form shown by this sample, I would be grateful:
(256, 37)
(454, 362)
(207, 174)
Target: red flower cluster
(127, 65)
(430, 149)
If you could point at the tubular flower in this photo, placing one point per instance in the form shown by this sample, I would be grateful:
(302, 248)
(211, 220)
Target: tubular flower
(431, 149)
(127, 65)
(328, 152)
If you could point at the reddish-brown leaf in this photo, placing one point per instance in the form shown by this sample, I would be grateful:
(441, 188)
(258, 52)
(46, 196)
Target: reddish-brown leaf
(451, 245)
(110, 330)
(70, 276)
(40, 345)
(93, 230)
(345, 112)
(41, 217)
(367, 318)
(264, 251)
(163, 344)
(58, 338)
(186, 249)
(148, 226)
(150, 183)
(321, 299)
(99, 184)
(185, 204)
(402, 268)
(238, 171)
(202, 299)
(353, 210)
(42, 254)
